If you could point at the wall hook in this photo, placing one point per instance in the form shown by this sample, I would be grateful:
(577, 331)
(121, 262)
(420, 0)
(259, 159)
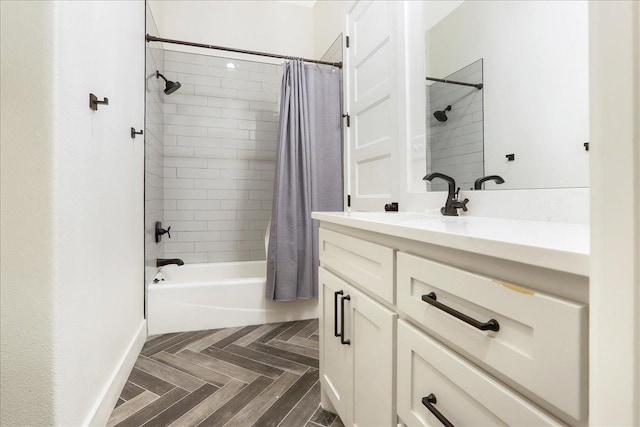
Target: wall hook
(93, 102)
(134, 133)
(510, 157)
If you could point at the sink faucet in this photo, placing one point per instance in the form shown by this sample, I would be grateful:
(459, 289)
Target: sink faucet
(478, 184)
(452, 204)
(162, 262)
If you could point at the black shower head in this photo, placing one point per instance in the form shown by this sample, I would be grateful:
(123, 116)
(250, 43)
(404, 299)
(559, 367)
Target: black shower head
(169, 86)
(441, 116)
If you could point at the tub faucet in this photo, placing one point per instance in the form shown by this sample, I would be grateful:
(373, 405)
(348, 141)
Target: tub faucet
(452, 204)
(162, 262)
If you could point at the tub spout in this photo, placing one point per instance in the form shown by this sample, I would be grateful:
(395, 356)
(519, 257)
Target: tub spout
(162, 262)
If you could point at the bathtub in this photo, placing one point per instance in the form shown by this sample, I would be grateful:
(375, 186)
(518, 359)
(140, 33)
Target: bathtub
(209, 296)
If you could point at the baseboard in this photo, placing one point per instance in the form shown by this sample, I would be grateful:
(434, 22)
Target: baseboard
(102, 410)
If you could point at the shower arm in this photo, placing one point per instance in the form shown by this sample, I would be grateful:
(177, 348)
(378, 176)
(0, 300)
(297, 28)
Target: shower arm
(453, 82)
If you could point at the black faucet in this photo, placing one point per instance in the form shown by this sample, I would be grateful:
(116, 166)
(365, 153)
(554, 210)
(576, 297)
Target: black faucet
(478, 184)
(452, 204)
(162, 262)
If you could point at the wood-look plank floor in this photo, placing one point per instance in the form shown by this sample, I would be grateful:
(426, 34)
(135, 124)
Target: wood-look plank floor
(262, 376)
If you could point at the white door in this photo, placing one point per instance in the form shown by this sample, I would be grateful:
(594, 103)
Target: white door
(372, 104)
(335, 357)
(372, 329)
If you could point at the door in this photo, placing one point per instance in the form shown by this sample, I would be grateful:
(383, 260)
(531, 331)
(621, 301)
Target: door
(372, 329)
(335, 357)
(372, 103)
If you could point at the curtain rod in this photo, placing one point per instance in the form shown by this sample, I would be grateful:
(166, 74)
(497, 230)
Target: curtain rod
(231, 49)
(453, 82)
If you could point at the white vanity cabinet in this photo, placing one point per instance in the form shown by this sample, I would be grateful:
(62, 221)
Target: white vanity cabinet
(440, 335)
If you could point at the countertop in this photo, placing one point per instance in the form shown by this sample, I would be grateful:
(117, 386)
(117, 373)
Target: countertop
(557, 246)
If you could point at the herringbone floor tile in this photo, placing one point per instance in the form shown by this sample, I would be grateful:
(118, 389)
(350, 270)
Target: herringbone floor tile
(263, 375)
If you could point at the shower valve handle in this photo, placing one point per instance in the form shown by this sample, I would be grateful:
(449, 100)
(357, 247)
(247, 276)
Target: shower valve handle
(163, 231)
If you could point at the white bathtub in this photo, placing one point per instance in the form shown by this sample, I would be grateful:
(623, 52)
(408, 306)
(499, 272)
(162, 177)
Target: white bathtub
(209, 296)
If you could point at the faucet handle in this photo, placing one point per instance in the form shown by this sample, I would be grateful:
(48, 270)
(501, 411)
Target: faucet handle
(464, 205)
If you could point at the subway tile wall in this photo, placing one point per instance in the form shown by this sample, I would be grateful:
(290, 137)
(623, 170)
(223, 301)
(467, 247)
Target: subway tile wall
(219, 156)
(154, 154)
(456, 147)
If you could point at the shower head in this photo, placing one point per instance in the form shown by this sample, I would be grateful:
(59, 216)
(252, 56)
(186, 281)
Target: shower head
(169, 86)
(441, 116)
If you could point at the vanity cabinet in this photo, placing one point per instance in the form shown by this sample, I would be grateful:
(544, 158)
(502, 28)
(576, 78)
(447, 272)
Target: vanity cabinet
(438, 335)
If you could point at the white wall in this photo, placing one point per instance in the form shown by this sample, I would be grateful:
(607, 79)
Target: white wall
(98, 197)
(27, 241)
(267, 26)
(614, 309)
(72, 262)
(328, 23)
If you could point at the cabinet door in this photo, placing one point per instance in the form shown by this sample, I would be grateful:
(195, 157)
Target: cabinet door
(335, 358)
(372, 82)
(372, 329)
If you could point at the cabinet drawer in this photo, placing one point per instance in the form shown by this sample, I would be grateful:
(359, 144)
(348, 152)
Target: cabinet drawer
(541, 343)
(368, 265)
(463, 394)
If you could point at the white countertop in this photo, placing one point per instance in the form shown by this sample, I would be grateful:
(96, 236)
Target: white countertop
(557, 246)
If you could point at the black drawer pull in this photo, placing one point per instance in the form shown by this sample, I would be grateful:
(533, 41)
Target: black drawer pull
(429, 401)
(335, 313)
(491, 325)
(342, 340)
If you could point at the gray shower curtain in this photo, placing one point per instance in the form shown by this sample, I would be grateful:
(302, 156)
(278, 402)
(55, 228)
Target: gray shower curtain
(308, 177)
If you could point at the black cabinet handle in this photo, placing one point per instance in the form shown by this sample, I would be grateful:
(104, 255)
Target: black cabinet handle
(491, 325)
(431, 400)
(335, 313)
(342, 340)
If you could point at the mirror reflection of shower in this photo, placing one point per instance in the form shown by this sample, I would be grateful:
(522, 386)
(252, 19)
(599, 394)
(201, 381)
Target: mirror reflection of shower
(441, 116)
(170, 86)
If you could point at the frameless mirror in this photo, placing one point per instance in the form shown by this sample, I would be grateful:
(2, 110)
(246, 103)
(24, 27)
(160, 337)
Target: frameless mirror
(529, 122)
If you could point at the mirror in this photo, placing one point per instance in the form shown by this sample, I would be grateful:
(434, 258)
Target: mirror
(532, 59)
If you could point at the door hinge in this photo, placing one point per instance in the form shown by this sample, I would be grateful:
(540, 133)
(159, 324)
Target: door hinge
(347, 41)
(348, 200)
(348, 119)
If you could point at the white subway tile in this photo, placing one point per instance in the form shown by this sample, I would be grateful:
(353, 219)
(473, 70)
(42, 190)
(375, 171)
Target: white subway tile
(170, 246)
(178, 98)
(220, 246)
(227, 164)
(178, 215)
(229, 256)
(212, 91)
(265, 77)
(177, 226)
(240, 114)
(184, 162)
(198, 173)
(198, 141)
(228, 73)
(241, 235)
(194, 110)
(174, 56)
(218, 215)
(215, 153)
(263, 106)
(198, 80)
(227, 133)
(228, 103)
(216, 122)
(240, 174)
(183, 67)
(185, 130)
(199, 236)
(227, 194)
(186, 194)
(240, 205)
(169, 172)
(241, 84)
(228, 225)
(178, 151)
(256, 155)
(262, 165)
(205, 205)
(250, 244)
(216, 184)
(178, 183)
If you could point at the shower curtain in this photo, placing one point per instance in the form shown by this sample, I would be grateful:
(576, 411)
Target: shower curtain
(308, 177)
